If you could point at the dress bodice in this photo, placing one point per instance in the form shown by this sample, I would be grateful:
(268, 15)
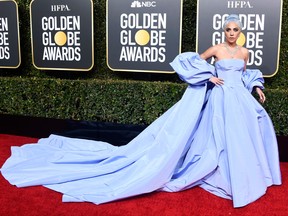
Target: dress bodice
(230, 70)
(195, 71)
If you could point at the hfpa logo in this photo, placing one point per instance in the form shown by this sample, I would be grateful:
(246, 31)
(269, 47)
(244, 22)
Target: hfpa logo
(138, 4)
(239, 4)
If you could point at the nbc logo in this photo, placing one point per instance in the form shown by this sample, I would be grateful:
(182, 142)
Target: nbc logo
(138, 4)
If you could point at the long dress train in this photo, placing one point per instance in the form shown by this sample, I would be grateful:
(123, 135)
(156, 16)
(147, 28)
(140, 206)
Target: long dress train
(217, 137)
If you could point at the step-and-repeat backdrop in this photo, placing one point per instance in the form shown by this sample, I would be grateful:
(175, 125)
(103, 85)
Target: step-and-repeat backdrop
(141, 36)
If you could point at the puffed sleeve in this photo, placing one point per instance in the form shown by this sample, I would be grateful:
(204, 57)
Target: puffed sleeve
(253, 78)
(192, 69)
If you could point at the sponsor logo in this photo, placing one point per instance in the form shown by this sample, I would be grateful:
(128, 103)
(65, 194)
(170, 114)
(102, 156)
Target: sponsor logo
(140, 4)
(56, 8)
(239, 4)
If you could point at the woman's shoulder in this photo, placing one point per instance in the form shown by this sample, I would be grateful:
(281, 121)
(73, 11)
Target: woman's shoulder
(211, 51)
(244, 51)
(217, 46)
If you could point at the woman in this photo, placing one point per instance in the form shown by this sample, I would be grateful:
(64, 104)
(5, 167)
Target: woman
(229, 49)
(216, 137)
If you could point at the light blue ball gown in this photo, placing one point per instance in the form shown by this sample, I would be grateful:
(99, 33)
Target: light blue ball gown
(219, 138)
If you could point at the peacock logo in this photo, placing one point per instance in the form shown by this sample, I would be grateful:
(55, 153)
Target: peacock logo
(146, 4)
(135, 4)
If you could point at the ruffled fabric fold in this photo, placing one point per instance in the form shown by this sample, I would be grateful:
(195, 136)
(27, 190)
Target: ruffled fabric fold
(192, 69)
(252, 78)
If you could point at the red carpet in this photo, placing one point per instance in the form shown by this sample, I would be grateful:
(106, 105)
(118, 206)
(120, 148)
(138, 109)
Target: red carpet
(42, 201)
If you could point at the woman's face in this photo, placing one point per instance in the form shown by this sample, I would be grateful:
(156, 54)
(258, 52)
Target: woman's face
(232, 32)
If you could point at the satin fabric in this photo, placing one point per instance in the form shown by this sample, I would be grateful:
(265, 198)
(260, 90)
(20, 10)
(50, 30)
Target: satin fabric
(217, 137)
